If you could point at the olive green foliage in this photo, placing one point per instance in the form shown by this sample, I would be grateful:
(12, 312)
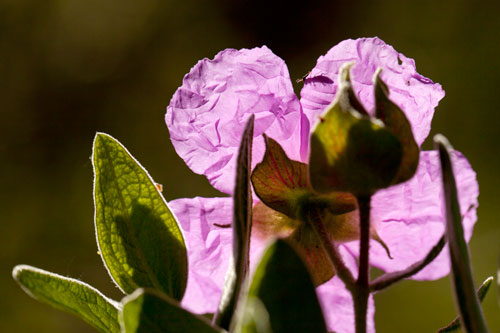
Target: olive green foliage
(139, 238)
(70, 295)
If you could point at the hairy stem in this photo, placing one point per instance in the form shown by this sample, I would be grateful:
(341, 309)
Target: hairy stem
(338, 263)
(388, 279)
(362, 291)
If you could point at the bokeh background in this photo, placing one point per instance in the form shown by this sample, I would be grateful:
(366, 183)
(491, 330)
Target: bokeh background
(69, 68)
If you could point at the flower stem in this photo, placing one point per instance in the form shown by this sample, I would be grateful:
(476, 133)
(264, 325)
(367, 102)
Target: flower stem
(362, 291)
(338, 263)
(389, 279)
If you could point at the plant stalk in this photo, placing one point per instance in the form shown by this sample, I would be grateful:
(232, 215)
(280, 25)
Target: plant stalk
(328, 244)
(362, 291)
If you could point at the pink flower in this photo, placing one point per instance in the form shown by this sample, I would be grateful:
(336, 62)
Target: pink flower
(206, 117)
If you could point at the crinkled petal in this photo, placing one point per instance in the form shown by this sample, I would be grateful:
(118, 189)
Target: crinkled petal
(410, 217)
(337, 303)
(207, 114)
(209, 248)
(415, 94)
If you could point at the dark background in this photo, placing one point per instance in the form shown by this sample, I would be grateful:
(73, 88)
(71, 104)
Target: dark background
(70, 68)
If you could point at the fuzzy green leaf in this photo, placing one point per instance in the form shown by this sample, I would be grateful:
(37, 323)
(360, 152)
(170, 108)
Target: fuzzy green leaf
(69, 295)
(139, 238)
(150, 311)
(351, 151)
(284, 286)
(242, 224)
(466, 300)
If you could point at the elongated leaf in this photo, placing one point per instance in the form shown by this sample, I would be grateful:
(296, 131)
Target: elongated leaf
(69, 295)
(242, 224)
(481, 293)
(284, 286)
(139, 238)
(396, 122)
(466, 300)
(150, 311)
(351, 151)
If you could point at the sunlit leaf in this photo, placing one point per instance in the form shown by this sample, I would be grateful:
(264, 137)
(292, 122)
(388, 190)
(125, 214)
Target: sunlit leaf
(351, 151)
(69, 295)
(466, 300)
(150, 311)
(139, 238)
(242, 224)
(254, 317)
(283, 285)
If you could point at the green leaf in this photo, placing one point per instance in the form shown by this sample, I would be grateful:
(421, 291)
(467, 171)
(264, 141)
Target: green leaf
(69, 295)
(351, 151)
(396, 122)
(284, 286)
(254, 317)
(466, 300)
(481, 293)
(242, 224)
(151, 311)
(139, 238)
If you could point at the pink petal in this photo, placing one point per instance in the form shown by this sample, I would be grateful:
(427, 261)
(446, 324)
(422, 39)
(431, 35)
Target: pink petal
(410, 217)
(207, 114)
(416, 95)
(337, 304)
(209, 248)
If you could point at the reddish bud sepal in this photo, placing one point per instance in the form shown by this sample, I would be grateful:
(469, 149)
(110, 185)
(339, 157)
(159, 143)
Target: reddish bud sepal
(283, 185)
(289, 204)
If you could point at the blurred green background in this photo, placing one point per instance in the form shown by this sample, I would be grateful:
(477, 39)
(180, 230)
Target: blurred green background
(70, 68)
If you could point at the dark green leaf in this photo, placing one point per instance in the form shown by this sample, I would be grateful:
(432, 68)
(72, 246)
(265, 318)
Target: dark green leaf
(150, 311)
(242, 224)
(481, 293)
(396, 122)
(351, 151)
(284, 286)
(466, 300)
(139, 238)
(69, 295)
